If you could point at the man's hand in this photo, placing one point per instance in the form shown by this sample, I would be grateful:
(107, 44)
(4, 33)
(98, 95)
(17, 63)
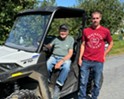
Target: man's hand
(104, 57)
(81, 53)
(58, 65)
(80, 62)
(108, 50)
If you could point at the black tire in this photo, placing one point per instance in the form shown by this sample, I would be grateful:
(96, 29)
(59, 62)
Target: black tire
(23, 94)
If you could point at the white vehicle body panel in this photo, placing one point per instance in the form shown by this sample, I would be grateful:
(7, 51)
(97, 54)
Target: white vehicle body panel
(22, 58)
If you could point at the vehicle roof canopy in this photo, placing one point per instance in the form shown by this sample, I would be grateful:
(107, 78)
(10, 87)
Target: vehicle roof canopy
(58, 11)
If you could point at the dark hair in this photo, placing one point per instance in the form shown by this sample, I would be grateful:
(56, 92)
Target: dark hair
(96, 11)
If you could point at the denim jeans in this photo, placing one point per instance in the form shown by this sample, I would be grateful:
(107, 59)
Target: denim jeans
(64, 70)
(84, 73)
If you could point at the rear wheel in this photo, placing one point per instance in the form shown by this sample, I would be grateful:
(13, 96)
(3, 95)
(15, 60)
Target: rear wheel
(23, 94)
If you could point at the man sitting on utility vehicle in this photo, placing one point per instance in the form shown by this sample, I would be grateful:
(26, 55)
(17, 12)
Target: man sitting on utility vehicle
(60, 58)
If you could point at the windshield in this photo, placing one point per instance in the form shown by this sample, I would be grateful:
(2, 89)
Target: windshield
(27, 32)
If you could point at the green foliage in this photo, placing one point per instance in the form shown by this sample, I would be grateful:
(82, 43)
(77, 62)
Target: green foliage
(9, 9)
(118, 37)
(47, 3)
(118, 48)
(113, 12)
(72, 24)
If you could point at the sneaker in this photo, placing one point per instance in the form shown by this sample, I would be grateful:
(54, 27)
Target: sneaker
(56, 92)
(49, 81)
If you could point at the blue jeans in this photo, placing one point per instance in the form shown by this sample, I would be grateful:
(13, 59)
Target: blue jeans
(84, 73)
(64, 70)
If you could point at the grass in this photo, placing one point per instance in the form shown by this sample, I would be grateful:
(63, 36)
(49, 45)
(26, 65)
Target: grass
(118, 47)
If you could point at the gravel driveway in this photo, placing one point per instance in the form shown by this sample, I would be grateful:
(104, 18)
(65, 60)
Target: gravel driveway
(113, 85)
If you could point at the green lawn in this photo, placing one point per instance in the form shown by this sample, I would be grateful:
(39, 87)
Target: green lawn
(118, 47)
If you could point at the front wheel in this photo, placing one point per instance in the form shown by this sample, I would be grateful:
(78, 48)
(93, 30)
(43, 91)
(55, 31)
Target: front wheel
(23, 94)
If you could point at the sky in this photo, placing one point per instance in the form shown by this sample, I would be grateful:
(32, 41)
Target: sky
(122, 0)
(68, 3)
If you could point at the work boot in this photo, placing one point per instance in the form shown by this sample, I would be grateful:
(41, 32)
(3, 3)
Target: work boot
(56, 94)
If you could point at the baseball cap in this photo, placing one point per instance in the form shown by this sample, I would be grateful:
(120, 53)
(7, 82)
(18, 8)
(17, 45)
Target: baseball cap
(64, 27)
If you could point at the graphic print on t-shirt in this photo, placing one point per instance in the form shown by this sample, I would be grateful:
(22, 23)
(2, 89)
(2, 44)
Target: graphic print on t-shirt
(94, 40)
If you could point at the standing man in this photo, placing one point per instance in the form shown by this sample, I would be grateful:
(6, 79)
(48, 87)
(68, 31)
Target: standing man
(92, 54)
(60, 58)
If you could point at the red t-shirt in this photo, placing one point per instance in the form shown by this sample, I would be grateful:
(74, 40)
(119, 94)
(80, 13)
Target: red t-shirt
(95, 43)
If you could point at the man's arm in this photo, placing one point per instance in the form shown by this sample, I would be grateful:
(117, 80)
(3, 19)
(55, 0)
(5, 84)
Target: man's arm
(68, 56)
(49, 46)
(108, 49)
(81, 53)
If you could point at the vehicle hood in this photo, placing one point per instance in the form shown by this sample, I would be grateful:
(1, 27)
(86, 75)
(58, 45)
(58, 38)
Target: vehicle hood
(22, 58)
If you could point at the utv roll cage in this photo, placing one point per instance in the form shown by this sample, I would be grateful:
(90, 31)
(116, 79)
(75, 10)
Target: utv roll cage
(56, 12)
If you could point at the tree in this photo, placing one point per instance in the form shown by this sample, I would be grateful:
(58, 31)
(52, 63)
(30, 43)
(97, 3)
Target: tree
(47, 3)
(72, 23)
(9, 9)
(113, 12)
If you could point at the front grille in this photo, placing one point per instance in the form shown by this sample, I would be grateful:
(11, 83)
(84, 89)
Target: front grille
(3, 77)
(1, 71)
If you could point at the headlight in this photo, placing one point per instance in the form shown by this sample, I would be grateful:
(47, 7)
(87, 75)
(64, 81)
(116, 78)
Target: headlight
(8, 66)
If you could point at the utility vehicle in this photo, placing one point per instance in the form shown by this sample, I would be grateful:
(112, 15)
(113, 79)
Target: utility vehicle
(23, 71)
